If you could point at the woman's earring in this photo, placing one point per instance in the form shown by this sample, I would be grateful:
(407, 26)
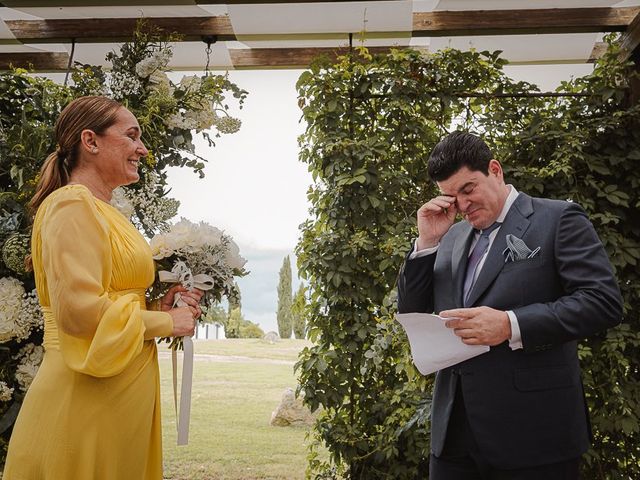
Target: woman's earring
(94, 150)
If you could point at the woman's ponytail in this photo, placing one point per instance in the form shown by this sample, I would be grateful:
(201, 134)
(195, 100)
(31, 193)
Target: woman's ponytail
(53, 175)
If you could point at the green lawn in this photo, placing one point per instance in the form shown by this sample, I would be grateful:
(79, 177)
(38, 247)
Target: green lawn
(233, 398)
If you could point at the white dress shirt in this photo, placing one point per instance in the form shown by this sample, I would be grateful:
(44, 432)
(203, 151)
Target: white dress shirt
(515, 342)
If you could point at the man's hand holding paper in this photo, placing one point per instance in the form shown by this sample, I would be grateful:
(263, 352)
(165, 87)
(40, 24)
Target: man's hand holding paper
(433, 345)
(479, 325)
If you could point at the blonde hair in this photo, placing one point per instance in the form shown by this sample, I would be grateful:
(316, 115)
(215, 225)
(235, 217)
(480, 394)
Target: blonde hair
(85, 113)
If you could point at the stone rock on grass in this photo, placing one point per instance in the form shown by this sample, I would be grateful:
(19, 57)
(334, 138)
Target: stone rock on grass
(291, 411)
(271, 337)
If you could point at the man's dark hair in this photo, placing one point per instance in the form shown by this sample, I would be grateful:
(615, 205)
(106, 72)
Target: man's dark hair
(457, 150)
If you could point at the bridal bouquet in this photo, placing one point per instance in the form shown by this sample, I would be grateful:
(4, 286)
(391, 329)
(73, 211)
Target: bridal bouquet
(197, 255)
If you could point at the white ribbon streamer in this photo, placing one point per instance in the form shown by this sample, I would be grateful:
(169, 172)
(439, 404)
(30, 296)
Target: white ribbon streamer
(180, 273)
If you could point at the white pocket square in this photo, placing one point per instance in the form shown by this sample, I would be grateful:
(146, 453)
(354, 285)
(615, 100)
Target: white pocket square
(518, 250)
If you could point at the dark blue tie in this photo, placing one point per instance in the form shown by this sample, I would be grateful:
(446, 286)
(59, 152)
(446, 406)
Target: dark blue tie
(473, 261)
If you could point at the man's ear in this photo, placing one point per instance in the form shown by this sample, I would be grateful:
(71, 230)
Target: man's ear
(495, 168)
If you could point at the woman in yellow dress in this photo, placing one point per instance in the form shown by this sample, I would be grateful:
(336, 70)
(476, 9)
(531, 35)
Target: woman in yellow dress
(93, 410)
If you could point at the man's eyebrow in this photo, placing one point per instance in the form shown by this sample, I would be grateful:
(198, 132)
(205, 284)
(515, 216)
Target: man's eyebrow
(462, 188)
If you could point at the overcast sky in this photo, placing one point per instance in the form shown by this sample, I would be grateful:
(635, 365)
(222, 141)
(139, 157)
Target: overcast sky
(255, 187)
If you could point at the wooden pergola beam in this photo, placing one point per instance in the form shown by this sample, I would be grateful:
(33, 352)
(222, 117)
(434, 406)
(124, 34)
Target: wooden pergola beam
(514, 22)
(599, 48)
(111, 3)
(116, 29)
(432, 24)
(40, 61)
(289, 57)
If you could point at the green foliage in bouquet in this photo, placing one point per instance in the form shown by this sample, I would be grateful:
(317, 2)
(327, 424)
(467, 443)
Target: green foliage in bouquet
(371, 124)
(170, 115)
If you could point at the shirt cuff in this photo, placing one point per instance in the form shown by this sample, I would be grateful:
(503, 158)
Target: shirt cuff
(422, 253)
(515, 342)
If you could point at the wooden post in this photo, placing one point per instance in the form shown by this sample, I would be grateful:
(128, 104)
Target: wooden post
(635, 81)
(630, 49)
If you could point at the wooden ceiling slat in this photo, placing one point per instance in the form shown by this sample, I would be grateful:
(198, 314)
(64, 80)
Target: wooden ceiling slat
(288, 57)
(40, 61)
(508, 22)
(116, 29)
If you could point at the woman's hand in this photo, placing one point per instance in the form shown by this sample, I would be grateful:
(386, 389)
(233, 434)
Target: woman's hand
(184, 324)
(190, 297)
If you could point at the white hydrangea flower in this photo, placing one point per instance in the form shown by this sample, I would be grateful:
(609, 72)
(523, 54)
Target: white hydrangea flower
(191, 82)
(6, 392)
(11, 295)
(175, 120)
(184, 121)
(160, 81)
(200, 119)
(30, 359)
(157, 61)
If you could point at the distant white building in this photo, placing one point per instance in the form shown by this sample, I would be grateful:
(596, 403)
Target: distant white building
(210, 331)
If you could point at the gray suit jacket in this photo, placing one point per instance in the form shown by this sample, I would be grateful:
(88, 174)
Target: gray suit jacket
(525, 407)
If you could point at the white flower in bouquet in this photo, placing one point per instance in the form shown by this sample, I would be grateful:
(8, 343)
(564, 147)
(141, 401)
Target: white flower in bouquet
(185, 237)
(144, 206)
(160, 81)
(182, 121)
(121, 202)
(233, 256)
(123, 85)
(6, 392)
(11, 293)
(197, 255)
(30, 318)
(15, 250)
(191, 83)
(158, 60)
(227, 124)
(201, 119)
(30, 359)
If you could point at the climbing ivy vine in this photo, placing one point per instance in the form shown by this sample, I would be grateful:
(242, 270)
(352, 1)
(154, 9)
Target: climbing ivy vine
(371, 124)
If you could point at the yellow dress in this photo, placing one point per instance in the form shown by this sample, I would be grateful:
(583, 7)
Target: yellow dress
(93, 410)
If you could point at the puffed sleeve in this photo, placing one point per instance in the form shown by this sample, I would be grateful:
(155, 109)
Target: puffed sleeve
(98, 336)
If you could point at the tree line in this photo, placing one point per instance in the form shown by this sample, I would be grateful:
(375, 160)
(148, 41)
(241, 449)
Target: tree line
(291, 306)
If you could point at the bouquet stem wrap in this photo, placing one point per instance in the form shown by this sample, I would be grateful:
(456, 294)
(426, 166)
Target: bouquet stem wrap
(182, 274)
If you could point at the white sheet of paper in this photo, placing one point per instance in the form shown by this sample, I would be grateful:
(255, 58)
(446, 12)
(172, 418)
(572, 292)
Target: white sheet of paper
(433, 345)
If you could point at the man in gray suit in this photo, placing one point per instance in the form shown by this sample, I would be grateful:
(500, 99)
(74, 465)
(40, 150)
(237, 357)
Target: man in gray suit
(527, 277)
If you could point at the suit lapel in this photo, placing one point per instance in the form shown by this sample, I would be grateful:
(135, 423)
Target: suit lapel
(459, 259)
(515, 223)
